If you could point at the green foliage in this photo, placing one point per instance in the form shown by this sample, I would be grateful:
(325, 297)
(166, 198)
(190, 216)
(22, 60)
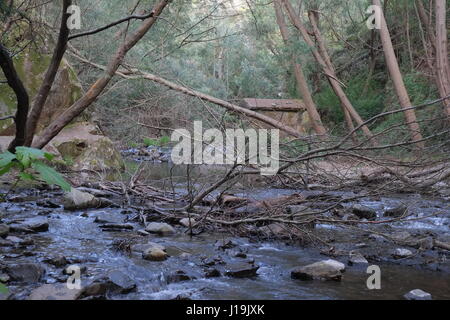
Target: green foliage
(3, 289)
(149, 142)
(29, 162)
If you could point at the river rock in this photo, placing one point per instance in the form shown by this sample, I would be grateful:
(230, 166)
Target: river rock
(141, 247)
(212, 273)
(401, 253)
(37, 224)
(396, 212)
(124, 283)
(154, 254)
(25, 272)
(275, 229)
(186, 222)
(225, 244)
(179, 276)
(322, 270)
(417, 294)
(162, 229)
(4, 230)
(241, 270)
(55, 292)
(79, 200)
(356, 258)
(58, 261)
(364, 212)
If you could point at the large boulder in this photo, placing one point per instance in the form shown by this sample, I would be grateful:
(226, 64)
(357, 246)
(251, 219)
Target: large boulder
(81, 143)
(55, 292)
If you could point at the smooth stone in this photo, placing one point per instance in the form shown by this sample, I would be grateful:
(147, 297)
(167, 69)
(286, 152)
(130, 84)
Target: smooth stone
(356, 258)
(186, 222)
(154, 254)
(322, 270)
(160, 228)
(123, 281)
(25, 272)
(417, 294)
(241, 270)
(401, 253)
(364, 212)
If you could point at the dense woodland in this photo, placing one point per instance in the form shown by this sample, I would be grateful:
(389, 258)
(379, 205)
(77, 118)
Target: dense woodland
(373, 77)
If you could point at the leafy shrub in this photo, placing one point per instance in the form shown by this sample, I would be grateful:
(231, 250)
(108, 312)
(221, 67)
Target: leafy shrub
(30, 166)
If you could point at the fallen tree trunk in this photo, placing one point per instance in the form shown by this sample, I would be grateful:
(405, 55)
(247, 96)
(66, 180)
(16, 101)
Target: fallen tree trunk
(137, 74)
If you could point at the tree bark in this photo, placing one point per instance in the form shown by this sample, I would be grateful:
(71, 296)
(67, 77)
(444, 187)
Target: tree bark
(50, 75)
(97, 88)
(23, 101)
(442, 64)
(299, 76)
(397, 79)
(331, 75)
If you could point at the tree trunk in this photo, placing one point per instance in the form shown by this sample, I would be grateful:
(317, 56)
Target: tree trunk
(442, 64)
(23, 100)
(323, 51)
(397, 79)
(97, 88)
(50, 75)
(336, 85)
(300, 78)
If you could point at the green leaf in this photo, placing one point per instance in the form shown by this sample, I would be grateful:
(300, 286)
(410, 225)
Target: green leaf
(51, 176)
(26, 176)
(3, 289)
(6, 158)
(49, 156)
(6, 168)
(31, 153)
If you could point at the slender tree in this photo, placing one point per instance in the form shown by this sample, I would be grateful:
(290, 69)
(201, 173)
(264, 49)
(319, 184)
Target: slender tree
(330, 73)
(397, 79)
(299, 76)
(442, 64)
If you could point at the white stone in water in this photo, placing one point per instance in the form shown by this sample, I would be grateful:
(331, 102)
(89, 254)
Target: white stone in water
(402, 253)
(417, 294)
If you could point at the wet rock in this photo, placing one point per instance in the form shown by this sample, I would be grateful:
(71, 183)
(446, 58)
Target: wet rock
(401, 236)
(377, 237)
(19, 241)
(5, 243)
(59, 261)
(241, 270)
(4, 278)
(36, 224)
(396, 212)
(322, 270)
(225, 244)
(79, 200)
(4, 230)
(116, 227)
(356, 258)
(275, 229)
(417, 294)
(179, 276)
(47, 203)
(25, 272)
(155, 254)
(162, 229)
(55, 292)
(364, 212)
(124, 283)
(186, 222)
(401, 253)
(208, 262)
(141, 247)
(425, 243)
(212, 273)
